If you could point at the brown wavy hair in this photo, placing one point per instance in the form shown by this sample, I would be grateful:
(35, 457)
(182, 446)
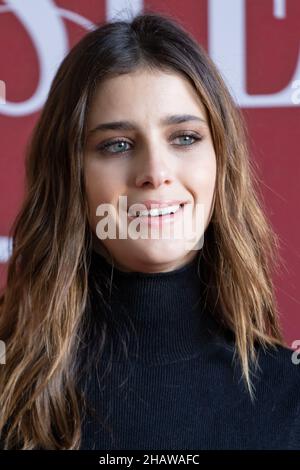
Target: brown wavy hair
(43, 306)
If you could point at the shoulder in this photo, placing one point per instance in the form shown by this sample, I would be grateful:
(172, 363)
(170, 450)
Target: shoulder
(277, 383)
(280, 365)
(280, 356)
(278, 380)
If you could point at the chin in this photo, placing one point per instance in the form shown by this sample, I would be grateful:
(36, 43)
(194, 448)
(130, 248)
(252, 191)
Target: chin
(159, 253)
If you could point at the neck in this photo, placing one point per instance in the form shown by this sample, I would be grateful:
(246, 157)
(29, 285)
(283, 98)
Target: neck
(153, 317)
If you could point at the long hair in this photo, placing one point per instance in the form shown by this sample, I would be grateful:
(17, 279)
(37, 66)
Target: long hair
(43, 306)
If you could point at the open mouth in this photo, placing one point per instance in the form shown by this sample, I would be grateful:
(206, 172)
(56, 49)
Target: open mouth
(158, 215)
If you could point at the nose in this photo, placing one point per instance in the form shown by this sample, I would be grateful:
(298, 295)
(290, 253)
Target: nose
(153, 169)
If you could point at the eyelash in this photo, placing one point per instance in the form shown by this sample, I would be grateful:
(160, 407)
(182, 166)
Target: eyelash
(103, 148)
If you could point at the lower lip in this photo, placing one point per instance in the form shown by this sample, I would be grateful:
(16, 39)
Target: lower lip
(157, 221)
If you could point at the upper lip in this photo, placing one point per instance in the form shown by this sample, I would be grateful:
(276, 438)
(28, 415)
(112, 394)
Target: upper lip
(156, 204)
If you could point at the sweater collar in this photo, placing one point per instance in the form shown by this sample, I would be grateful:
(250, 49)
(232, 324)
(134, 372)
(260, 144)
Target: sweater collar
(152, 317)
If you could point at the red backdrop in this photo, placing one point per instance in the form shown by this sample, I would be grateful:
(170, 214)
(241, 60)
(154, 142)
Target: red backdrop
(271, 54)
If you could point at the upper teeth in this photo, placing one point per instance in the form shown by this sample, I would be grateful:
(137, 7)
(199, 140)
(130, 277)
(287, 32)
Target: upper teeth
(156, 212)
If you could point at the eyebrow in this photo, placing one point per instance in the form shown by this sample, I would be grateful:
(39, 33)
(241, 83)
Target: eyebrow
(131, 126)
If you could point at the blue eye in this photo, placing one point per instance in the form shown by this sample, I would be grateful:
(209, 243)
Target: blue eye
(119, 143)
(189, 136)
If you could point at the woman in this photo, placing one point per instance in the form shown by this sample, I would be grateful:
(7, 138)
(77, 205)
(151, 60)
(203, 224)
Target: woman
(124, 342)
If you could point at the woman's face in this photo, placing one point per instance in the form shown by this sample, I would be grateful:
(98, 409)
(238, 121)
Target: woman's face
(151, 160)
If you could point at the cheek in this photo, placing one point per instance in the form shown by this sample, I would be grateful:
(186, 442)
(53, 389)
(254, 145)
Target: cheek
(201, 184)
(102, 186)
(202, 178)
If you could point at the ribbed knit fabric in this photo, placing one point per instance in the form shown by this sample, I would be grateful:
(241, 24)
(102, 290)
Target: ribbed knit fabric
(168, 379)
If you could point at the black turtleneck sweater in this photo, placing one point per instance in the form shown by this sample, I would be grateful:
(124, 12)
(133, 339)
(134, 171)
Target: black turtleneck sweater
(167, 378)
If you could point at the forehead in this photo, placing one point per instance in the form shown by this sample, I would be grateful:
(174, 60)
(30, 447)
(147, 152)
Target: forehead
(143, 93)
